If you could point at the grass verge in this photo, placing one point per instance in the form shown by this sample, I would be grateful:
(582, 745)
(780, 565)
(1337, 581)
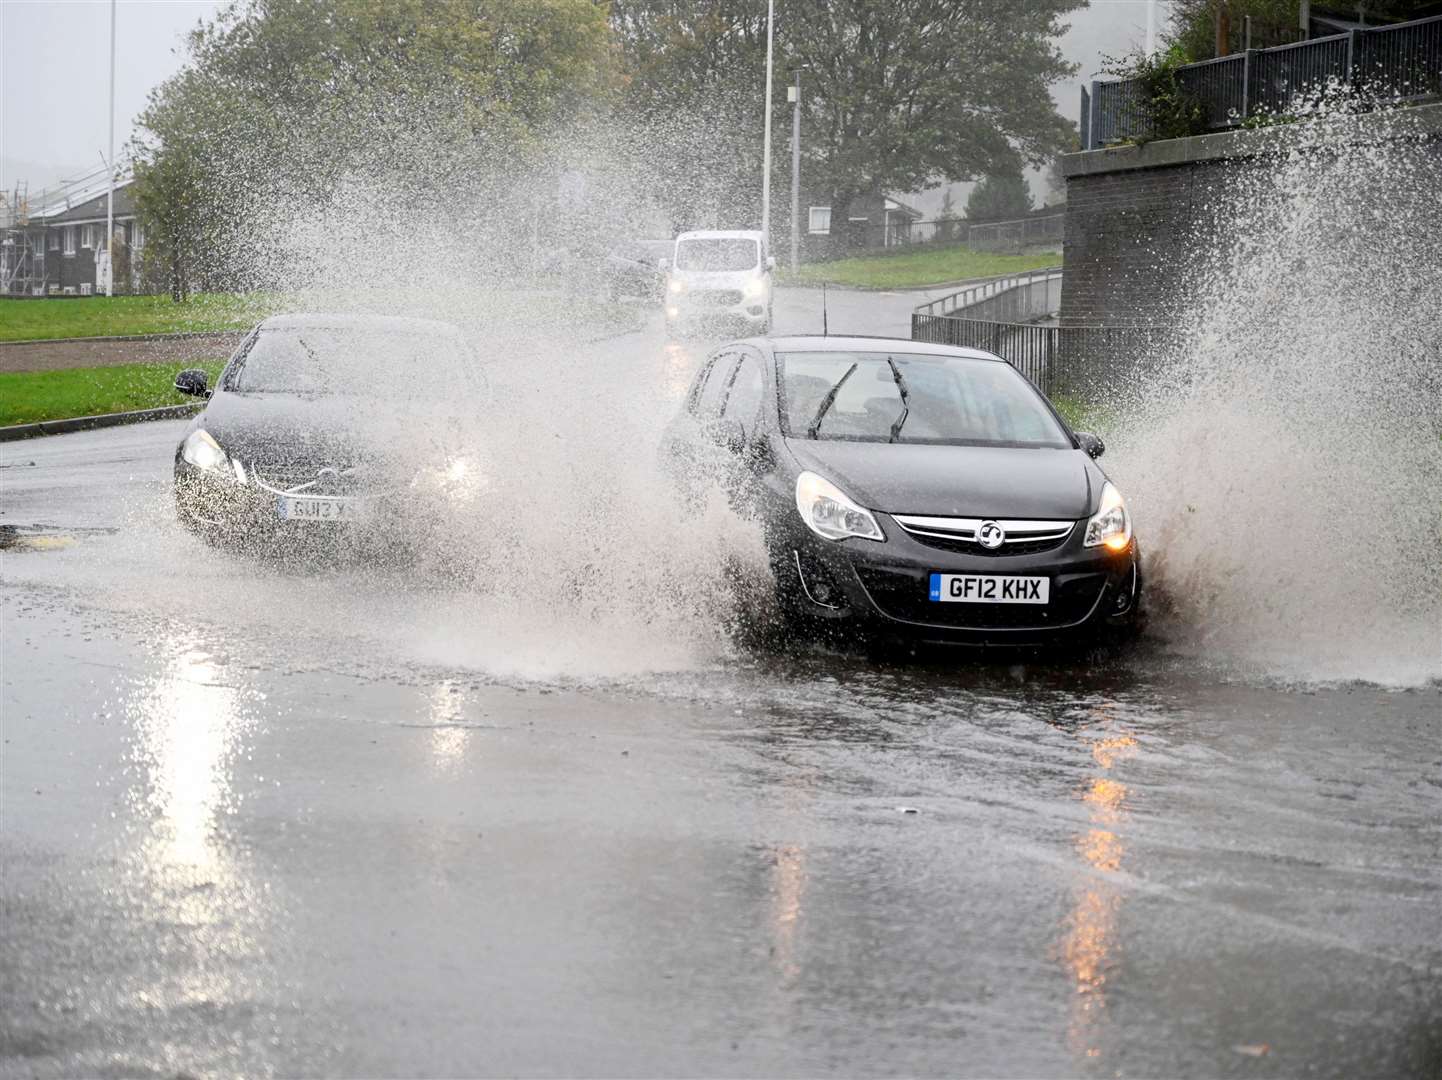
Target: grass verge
(107, 316)
(917, 268)
(31, 396)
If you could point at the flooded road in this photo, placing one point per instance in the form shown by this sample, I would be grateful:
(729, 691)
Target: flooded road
(267, 820)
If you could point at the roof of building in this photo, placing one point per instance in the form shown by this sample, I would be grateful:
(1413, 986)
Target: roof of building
(87, 205)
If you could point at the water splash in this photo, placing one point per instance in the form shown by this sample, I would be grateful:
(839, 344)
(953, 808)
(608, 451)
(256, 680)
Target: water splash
(1285, 466)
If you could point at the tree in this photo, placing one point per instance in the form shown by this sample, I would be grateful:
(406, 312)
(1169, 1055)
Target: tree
(281, 100)
(896, 97)
(998, 197)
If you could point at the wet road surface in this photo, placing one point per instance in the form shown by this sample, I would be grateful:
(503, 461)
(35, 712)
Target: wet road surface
(258, 820)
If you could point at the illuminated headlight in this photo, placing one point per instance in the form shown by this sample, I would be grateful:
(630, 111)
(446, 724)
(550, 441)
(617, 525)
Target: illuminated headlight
(754, 288)
(459, 478)
(677, 286)
(202, 451)
(830, 514)
(1111, 525)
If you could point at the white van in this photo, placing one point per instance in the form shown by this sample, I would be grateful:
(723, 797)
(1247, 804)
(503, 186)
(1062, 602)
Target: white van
(717, 275)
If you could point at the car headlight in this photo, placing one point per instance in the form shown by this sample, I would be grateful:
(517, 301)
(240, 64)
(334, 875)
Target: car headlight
(1111, 525)
(202, 451)
(459, 478)
(676, 286)
(754, 288)
(830, 514)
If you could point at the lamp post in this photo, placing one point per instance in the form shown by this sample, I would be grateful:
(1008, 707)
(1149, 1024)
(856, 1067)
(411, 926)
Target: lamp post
(110, 168)
(794, 93)
(766, 150)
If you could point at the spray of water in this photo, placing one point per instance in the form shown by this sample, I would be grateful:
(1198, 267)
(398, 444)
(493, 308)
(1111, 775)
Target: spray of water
(1286, 464)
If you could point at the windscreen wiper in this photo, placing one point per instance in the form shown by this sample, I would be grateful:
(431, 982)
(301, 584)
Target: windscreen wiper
(905, 399)
(827, 400)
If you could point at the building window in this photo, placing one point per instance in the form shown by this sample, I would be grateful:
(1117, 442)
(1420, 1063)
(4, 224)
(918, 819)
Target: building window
(137, 235)
(820, 221)
(87, 236)
(40, 245)
(70, 239)
(54, 240)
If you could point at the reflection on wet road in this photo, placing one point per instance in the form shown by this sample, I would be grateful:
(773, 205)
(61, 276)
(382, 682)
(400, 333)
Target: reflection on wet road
(264, 821)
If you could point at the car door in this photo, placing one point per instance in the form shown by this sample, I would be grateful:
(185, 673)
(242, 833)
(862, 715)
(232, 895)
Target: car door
(689, 448)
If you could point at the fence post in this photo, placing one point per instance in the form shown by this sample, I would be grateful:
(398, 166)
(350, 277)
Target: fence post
(1354, 57)
(1249, 69)
(1086, 120)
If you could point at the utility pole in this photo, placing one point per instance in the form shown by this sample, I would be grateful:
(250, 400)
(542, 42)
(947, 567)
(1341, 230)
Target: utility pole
(766, 151)
(1151, 27)
(110, 168)
(794, 93)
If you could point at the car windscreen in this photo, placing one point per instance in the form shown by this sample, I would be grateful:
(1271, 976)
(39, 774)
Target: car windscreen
(717, 254)
(947, 399)
(318, 361)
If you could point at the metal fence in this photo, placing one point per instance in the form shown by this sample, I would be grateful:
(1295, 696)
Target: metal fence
(1402, 61)
(1093, 362)
(963, 301)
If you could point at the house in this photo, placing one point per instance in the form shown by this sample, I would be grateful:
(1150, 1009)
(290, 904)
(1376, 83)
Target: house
(54, 245)
(867, 221)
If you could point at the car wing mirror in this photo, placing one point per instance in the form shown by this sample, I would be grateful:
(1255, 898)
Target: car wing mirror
(1091, 444)
(663, 265)
(771, 262)
(192, 382)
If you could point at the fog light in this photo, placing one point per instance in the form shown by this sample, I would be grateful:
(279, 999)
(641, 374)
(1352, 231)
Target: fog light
(818, 584)
(672, 312)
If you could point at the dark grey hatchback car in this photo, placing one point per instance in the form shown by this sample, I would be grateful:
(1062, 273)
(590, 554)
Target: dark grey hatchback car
(914, 489)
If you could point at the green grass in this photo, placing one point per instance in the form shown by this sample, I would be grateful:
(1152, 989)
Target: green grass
(26, 397)
(106, 316)
(918, 267)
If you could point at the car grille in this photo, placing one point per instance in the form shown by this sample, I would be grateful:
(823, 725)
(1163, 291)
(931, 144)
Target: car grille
(959, 534)
(308, 478)
(716, 297)
(905, 595)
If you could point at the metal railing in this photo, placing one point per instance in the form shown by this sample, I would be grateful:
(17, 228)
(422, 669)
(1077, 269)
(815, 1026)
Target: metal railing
(1088, 361)
(1402, 61)
(993, 236)
(981, 291)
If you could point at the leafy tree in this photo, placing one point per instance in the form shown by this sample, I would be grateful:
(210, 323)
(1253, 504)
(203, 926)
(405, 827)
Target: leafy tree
(896, 97)
(999, 197)
(282, 99)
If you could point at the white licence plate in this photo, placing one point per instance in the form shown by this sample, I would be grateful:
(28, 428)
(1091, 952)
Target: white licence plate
(989, 589)
(315, 508)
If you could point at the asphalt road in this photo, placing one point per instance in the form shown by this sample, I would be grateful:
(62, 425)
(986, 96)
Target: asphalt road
(285, 819)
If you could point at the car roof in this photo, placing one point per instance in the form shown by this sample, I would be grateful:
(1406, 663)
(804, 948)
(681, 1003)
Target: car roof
(349, 321)
(721, 234)
(865, 343)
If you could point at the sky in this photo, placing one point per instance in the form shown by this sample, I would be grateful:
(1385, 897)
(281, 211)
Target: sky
(54, 74)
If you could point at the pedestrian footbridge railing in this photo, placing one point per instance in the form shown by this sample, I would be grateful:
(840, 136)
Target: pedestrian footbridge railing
(1092, 362)
(1025, 297)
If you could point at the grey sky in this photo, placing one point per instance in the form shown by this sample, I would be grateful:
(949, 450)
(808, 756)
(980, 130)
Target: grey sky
(54, 68)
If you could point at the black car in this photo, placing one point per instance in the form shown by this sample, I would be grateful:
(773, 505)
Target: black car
(913, 489)
(326, 426)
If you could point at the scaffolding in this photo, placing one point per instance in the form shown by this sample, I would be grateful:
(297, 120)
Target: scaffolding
(22, 259)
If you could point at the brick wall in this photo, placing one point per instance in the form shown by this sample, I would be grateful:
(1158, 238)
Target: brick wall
(1135, 214)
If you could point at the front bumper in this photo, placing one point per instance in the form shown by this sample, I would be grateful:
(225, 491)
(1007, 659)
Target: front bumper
(884, 588)
(690, 308)
(246, 515)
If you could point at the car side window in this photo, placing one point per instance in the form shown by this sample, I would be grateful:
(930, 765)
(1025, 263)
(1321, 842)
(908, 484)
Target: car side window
(713, 392)
(747, 386)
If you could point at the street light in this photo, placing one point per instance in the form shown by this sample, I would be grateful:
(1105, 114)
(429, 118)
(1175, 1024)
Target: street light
(793, 94)
(766, 150)
(110, 168)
